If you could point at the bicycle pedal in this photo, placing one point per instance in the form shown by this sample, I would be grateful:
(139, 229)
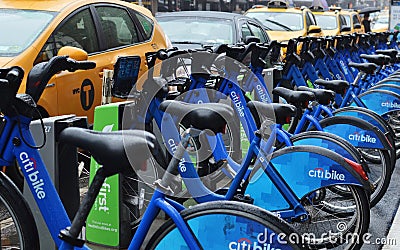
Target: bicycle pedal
(243, 198)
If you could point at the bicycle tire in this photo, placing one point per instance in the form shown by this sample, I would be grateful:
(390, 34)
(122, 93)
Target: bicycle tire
(339, 237)
(235, 210)
(16, 212)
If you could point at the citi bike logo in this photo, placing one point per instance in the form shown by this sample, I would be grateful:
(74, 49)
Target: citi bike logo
(238, 104)
(389, 104)
(261, 93)
(173, 147)
(326, 174)
(263, 242)
(344, 67)
(356, 136)
(29, 164)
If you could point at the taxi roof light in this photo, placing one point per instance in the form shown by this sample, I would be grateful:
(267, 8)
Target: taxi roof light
(278, 4)
(317, 8)
(334, 8)
(257, 6)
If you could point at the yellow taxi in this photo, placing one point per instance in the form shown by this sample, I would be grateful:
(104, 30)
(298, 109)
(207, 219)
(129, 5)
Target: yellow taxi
(331, 21)
(34, 31)
(353, 19)
(283, 22)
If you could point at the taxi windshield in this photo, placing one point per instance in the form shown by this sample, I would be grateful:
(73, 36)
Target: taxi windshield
(279, 21)
(20, 28)
(326, 22)
(197, 30)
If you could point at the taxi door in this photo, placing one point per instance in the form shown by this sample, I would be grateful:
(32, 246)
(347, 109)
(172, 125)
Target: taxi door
(114, 31)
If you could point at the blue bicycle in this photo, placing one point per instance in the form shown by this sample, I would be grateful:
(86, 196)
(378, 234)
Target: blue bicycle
(228, 223)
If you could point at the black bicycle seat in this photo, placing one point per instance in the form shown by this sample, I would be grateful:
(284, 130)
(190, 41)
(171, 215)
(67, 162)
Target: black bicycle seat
(387, 52)
(296, 98)
(377, 59)
(323, 96)
(212, 116)
(283, 112)
(338, 86)
(368, 68)
(112, 149)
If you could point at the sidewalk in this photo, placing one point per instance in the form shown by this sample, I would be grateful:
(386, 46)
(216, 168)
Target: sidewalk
(394, 233)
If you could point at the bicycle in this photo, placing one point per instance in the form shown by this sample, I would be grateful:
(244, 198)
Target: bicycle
(202, 194)
(111, 149)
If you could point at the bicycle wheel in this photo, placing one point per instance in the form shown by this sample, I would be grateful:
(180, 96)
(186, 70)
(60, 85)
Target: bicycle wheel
(17, 227)
(335, 221)
(226, 225)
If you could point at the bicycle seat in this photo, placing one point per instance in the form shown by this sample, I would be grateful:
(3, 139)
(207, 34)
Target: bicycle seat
(368, 68)
(212, 116)
(388, 52)
(110, 148)
(323, 96)
(339, 86)
(296, 98)
(283, 112)
(377, 59)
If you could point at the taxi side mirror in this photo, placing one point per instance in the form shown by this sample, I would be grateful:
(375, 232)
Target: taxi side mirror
(314, 29)
(250, 39)
(345, 29)
(74, 53)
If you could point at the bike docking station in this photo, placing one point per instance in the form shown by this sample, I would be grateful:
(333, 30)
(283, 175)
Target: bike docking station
(62, 164)
(109, 222)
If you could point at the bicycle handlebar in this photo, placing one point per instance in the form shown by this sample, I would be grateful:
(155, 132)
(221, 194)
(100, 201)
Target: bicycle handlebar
(41, 73)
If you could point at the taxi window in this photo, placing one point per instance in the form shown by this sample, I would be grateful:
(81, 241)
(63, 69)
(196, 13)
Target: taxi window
(347, 17)
(77, 31)
(20, 28)
(147, 25)
(258, 32)
(245, 31)
(326, 22)
(343, 21)
(310, 19)
(118, 27)
(355, 20)
(279, 21)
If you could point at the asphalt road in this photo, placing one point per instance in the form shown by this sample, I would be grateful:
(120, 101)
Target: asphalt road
(383, 213)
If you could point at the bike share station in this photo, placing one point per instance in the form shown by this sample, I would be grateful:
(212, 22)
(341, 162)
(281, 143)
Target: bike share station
(108, 224)
(62, 163)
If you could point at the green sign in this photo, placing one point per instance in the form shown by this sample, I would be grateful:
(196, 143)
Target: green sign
(102, 226)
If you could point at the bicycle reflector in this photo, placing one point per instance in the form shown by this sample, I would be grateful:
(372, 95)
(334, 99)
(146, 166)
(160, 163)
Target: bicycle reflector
(358, 168)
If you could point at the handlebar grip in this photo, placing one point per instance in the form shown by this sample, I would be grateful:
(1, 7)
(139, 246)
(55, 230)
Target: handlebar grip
(84, 65)
(15, 75)
(162, 54)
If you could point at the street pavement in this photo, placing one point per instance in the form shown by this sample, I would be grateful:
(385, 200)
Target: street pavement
(383, 216)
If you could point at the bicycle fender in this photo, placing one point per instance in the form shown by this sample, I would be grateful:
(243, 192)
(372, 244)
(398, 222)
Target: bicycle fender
(328, 141)
(387, 86)
(304, 169)
(358, 132)
(366, 115)
(393, 79)
(369, 116)
(381, 101)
